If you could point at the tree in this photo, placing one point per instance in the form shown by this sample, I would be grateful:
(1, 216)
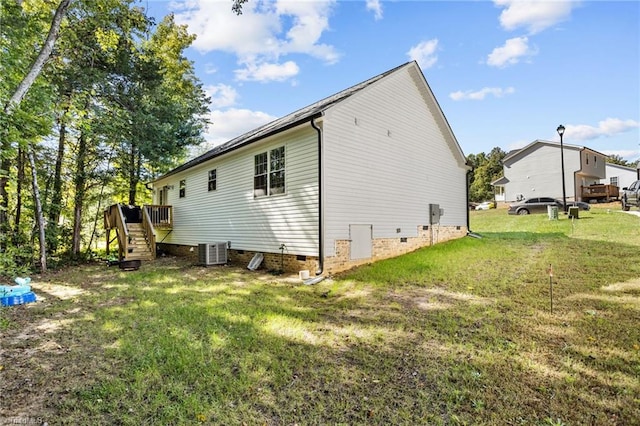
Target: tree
(486, 169)
(16, 98)
(158, 105)
(106, 96)
(616, 159)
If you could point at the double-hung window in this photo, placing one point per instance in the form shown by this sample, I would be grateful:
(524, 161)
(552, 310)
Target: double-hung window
(269, 173)
(183, 188)
(213, 179)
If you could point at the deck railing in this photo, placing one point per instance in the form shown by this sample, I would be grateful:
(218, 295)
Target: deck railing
(160, 216)
(600, 191)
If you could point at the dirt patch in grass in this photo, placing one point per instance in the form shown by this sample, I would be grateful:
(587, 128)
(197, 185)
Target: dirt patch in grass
(435, 298)
(44, 353)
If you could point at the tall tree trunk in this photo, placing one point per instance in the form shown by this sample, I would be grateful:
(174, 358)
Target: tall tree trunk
(5, 165)
(56, 197)
(80, 185)
(133, 176)
(20, 180)
(39, 216)
(16, 98)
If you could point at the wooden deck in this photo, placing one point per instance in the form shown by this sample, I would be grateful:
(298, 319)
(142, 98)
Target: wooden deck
(600, 192)
(135, 229)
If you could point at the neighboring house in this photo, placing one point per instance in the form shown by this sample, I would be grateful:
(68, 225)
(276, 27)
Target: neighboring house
(620, 176)
(369, 173)
(536, 171)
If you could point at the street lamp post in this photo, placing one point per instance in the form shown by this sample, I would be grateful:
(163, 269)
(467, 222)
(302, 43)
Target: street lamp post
(560, 130)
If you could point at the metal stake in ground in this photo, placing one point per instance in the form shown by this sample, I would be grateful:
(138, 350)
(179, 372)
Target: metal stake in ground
(551, 286)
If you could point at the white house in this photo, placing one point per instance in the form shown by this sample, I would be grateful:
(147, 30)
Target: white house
(620, 176)
(368, 173)
(536, 171)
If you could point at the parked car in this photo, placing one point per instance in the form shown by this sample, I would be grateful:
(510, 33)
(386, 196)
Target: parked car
(539, 205)
(631, 196)
(580, 204)
(486, 205)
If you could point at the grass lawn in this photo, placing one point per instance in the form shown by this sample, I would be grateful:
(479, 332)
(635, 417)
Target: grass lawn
(458, 333)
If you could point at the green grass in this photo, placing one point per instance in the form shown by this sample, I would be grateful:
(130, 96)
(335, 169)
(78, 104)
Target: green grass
(457, 333)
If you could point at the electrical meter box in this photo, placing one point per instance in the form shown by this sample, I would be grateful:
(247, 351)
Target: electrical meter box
(434, 213)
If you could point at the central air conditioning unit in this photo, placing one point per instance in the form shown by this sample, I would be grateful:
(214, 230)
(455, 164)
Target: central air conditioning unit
(212, 254)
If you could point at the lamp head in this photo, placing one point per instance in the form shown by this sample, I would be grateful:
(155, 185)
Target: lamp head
(560, 130)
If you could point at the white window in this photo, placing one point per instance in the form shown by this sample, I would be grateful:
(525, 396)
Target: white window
(613, 180)
(269, 173)
(213, 180)
(183, 188)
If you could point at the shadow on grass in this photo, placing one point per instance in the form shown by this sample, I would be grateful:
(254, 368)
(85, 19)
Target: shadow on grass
(457, 333)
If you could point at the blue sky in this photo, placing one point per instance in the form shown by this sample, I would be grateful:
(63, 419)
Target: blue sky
(505, 72)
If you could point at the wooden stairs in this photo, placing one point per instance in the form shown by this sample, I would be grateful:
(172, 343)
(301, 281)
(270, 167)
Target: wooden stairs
(138, 247)
(135, 229)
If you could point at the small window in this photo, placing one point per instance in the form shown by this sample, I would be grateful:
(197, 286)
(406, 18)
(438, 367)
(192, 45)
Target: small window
(212, 185)
(260, 175)
(613, 180)
(269, 173)
(276, 171)
(183, 188)
(587, 158)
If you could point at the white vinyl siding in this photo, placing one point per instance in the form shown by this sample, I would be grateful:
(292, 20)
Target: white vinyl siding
(624, 176)
(538, 173)
(386, 160)
(232, 213)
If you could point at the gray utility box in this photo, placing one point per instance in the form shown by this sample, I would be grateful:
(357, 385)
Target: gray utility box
(434, 213)
(573, 212)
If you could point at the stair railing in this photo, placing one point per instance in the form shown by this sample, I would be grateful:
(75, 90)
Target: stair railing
(116, 220)
(149, 231)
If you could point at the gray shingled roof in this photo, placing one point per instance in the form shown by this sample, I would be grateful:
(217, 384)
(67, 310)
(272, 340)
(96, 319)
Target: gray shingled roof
(314, 110)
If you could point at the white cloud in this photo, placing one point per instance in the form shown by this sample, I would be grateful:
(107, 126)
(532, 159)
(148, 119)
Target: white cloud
(221, 95)
(267, 72)
(424, 53)
(607, 127)
(513, 50)
(479, 95)
(230, 123)
(264, 33)
(533, 15)
(376, 7)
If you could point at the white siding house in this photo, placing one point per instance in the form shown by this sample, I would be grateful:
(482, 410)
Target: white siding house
(620, 176)
(536, 171)
(347, 180)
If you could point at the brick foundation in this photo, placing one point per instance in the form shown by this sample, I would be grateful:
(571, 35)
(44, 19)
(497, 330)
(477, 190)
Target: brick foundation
(383, 248)
(276, 261)
(241, 258)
